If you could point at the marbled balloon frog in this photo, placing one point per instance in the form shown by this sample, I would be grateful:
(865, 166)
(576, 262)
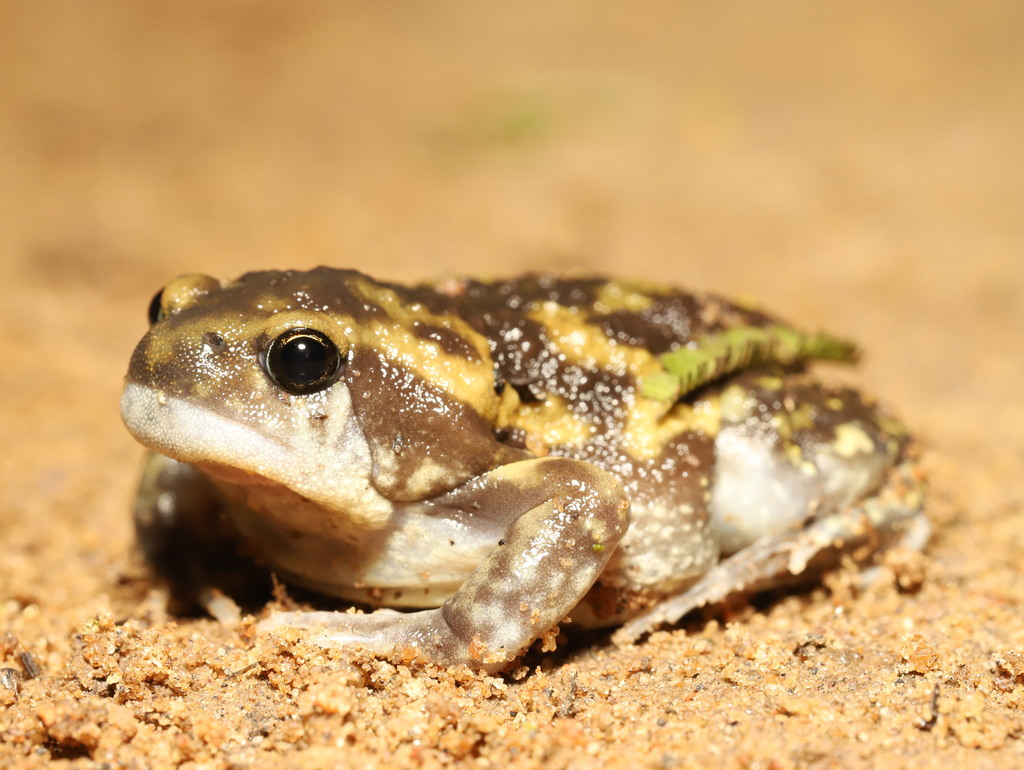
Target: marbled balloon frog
(499, 456)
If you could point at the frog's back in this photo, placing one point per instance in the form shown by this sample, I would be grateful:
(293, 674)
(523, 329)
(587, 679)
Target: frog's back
(586, 344)
(640, 315)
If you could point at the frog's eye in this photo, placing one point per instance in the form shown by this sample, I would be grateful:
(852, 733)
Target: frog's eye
(303, 361)
(154, 307)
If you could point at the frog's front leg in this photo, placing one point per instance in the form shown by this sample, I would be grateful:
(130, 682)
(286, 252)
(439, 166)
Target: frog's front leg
(181, 533)
(562, 519)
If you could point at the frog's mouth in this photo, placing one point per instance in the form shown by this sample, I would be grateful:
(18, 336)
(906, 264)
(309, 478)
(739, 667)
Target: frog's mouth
(184, 431)
(329, 469)
(235, 476)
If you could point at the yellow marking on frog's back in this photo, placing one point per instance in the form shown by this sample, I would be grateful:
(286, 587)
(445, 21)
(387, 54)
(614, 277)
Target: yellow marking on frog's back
(851, 439)
(648, 425)
(585, 345)
(619, 296)
(466, 378)
(648, 429)
(552, 422)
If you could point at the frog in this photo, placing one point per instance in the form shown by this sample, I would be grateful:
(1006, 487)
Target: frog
(476, 462)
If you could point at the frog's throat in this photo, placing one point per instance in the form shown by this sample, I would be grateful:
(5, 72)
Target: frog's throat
(335, 477)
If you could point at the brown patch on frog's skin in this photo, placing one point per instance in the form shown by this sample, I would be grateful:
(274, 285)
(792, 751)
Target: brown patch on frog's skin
(452, 343)
(408, 421)
(668, 545)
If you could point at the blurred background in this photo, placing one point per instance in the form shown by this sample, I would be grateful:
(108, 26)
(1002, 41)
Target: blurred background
(707, 143)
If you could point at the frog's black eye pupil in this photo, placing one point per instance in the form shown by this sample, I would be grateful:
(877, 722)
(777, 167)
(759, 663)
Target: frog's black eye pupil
(154, 307)
(303, 361)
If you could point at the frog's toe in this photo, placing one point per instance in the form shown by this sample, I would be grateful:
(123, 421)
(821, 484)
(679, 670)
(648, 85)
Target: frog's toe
(385, 631)
(374, 631)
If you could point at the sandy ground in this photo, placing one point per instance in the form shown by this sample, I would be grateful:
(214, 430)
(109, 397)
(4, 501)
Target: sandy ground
(854, 166)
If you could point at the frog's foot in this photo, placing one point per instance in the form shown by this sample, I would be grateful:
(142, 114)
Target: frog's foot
(426, 632)
(380, 632)
(563, 520)
(221, 607)
(894, 516)
(184, 537)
